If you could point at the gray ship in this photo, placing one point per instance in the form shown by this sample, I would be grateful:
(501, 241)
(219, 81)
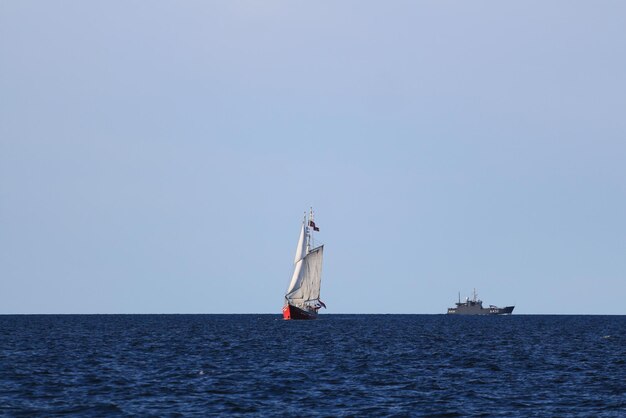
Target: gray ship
(474, 306)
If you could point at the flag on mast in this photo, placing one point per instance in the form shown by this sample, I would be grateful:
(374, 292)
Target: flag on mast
(312, 222)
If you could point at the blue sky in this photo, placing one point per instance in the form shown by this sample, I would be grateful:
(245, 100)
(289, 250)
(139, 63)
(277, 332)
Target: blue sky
(156, 157)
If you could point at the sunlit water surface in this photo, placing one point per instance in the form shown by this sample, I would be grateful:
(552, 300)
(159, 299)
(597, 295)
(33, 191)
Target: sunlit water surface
(338, 365)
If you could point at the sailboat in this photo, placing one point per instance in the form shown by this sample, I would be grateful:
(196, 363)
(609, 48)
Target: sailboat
(302, 300)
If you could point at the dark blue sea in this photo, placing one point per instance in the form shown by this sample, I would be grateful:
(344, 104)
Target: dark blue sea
(338, 365)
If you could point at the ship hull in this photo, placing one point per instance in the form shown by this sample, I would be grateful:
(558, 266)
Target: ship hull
(503, 311)
(292, 312)
(477, 310)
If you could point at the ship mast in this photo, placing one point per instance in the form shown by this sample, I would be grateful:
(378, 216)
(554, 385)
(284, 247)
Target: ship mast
(307, 233)
(310, 225)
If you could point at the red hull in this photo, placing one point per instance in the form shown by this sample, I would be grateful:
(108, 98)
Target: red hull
(291, 312)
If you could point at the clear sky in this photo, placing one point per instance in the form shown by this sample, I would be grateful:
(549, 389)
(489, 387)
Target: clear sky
(157, 157)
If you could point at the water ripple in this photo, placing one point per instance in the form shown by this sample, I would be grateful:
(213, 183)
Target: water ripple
(340, 365)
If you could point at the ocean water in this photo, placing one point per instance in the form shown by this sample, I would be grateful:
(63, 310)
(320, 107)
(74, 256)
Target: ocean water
(338, 365)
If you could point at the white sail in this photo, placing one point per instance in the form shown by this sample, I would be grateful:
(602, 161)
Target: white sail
(304, 288)
(300, 253)
(313, 269)
(301, 248)
(295, 276)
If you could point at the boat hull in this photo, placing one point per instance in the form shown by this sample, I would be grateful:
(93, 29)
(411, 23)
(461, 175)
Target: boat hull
(292, 312)
(503, 311)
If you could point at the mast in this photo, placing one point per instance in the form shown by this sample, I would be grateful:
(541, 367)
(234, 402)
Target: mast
(310, 224)
(307, 234)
